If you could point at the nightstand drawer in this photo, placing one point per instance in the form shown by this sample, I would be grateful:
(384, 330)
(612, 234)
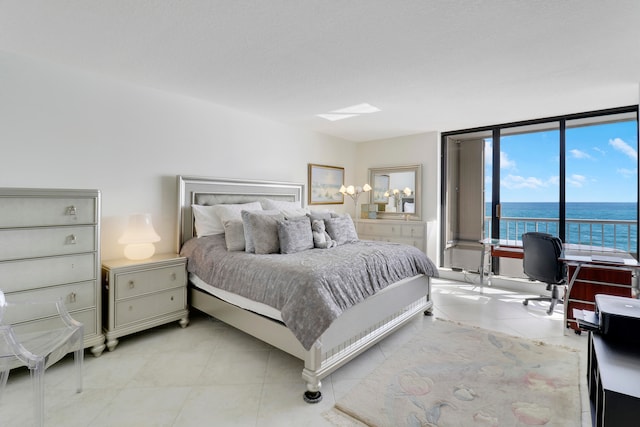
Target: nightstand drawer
(150, 280)
(38, 242)
(40, 211)
(136, 309)
(39, 272)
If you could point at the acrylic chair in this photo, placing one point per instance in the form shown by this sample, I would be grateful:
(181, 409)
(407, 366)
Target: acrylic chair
(38, 345)
(541, 263)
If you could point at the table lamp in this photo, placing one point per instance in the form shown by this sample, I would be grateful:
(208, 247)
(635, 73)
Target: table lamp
(139, 237)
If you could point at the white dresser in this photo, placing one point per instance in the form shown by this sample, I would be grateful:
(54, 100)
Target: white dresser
(50, 249)
(390, 230)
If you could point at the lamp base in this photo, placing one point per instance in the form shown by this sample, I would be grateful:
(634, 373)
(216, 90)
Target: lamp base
(138, 251)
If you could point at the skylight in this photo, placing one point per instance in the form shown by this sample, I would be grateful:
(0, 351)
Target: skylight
(352, 111)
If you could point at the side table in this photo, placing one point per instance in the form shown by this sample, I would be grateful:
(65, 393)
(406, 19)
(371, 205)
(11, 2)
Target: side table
(139, 295)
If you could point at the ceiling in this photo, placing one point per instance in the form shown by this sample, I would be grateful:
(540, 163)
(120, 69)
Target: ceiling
(429, 65)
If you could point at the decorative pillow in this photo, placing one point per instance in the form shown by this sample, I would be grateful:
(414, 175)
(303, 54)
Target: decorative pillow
(248, 231)
(339, 215)
(248, 238)
(341, 229)
(263, 231)
(234, 235)
(206, 221)
(295, 235)
(316, 215)
(289, 209)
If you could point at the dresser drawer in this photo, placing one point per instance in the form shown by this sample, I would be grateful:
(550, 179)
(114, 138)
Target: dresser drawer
(150, 280)
(87, 317)
(161, 303)
(43, 211)
(380, 230)
(416, 231)
(36, 273)
(78, 296)
(38, 242)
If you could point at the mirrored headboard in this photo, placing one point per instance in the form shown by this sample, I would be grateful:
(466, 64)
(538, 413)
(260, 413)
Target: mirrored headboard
(396, 190)
(212, 191)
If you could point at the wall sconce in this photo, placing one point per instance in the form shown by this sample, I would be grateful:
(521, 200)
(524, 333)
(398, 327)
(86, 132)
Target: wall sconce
(139, 237)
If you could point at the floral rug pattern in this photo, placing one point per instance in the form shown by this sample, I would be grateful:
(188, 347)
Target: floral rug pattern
(453, 375)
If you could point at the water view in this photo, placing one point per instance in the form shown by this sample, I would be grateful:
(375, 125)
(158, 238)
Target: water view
(612, 225)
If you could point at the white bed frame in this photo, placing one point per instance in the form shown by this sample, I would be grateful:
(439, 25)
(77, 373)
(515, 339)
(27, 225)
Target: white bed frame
(352, 333)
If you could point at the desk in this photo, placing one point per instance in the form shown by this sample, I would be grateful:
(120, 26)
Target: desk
(500, 248)
(591, 272)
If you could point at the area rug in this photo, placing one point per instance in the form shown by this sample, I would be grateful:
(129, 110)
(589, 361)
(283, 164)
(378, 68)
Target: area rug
(455, 375)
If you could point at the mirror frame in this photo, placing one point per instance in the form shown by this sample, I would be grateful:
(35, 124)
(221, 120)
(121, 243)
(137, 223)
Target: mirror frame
(417, 169)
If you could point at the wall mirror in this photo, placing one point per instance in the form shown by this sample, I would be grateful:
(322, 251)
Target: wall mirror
(396, 191)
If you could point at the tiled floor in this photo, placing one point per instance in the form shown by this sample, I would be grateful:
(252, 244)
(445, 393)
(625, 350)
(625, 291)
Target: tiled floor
(212, 375)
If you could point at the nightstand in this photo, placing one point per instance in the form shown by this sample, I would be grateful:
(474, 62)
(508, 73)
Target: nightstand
(139, 295)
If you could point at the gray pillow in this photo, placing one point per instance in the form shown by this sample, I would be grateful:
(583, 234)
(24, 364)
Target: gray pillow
(248, 239)
(316, 215)
(295, 235)
(264, 231)
(341, 229)
(234, 235)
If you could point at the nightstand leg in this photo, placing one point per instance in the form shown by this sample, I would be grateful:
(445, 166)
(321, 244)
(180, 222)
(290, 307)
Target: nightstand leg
(112, 343)
(184, 322)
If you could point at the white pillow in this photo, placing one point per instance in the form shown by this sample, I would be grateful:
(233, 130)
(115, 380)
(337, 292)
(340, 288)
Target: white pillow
(208, 219)
(288, 209)
(232, 212)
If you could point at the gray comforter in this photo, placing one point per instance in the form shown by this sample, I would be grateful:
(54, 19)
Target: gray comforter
(310, 288)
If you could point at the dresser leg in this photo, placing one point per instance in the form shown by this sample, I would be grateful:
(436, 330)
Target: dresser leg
(97, 350)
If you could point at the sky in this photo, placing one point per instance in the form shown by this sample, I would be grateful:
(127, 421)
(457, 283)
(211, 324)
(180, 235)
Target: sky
(601, 165)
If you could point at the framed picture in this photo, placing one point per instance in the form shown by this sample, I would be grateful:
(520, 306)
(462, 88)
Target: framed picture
(324, 185)
(380, 186)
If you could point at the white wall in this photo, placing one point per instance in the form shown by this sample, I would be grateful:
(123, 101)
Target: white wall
(421, 149)
(62, 128)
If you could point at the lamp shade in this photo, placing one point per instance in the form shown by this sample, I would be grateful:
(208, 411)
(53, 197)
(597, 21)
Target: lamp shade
(139, 237)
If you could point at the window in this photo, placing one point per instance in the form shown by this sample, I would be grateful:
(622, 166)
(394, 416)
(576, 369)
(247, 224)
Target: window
(573, 176)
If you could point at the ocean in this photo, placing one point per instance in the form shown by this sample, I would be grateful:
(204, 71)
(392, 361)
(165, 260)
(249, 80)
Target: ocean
(615, 223)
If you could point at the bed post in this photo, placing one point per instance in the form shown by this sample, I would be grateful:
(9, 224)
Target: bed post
(312, 363)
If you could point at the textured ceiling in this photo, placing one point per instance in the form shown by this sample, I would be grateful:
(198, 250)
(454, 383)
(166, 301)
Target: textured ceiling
(429, 65)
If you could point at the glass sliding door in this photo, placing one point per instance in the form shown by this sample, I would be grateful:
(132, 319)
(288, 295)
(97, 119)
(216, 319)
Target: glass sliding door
(602, 181)
(529, 176)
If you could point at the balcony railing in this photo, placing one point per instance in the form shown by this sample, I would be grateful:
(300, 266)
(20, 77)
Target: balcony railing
(619, 234)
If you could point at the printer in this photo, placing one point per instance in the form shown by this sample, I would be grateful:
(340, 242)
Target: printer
(615, 317)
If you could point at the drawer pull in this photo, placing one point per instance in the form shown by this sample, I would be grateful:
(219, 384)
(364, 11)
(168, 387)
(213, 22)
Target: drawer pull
(71, 239)
(171, 297)
(131, 284)
(72, 211)
(72, 297)
(173, 276)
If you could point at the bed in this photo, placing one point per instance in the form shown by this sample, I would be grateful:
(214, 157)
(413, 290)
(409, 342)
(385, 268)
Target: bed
(344, 332)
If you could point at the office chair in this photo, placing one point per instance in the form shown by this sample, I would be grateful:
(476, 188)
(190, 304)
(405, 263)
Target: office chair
(38, 345)
(541, 253)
